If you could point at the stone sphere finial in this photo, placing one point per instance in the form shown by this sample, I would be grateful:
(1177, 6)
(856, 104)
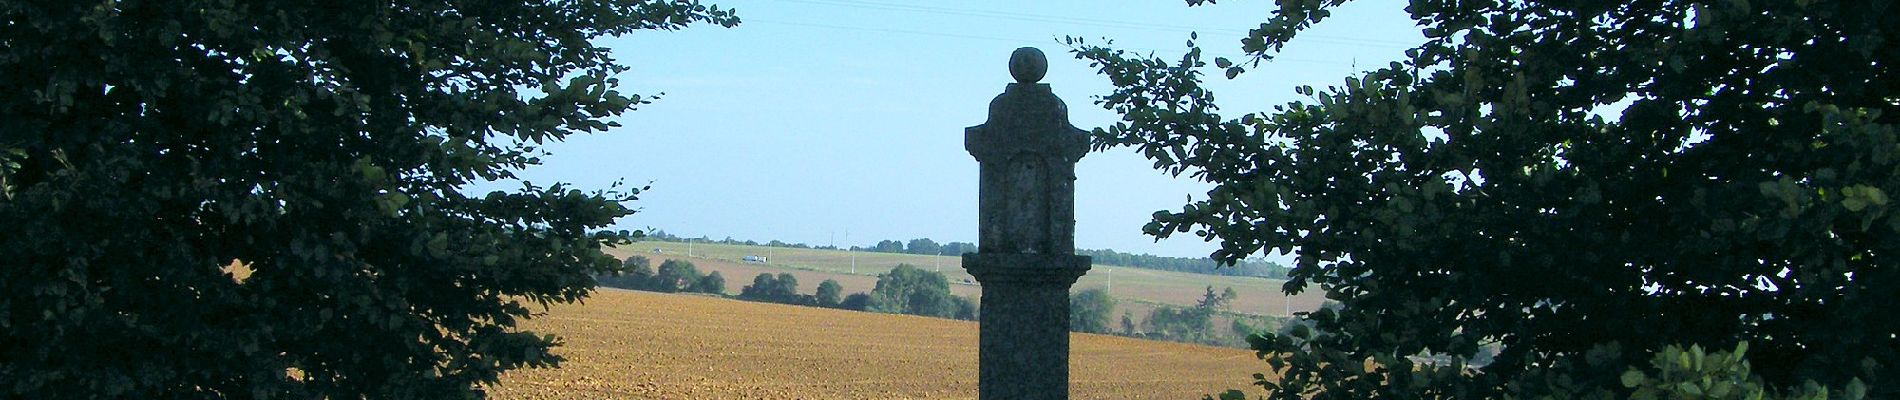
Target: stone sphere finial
(1028, 65)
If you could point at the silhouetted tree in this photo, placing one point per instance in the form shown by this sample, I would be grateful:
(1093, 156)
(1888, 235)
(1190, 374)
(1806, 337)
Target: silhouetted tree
(907, 289)
(856, 301)
(1588, 183)
(967, 309)
(675, 275)
(635, 274)
(1090, 310)
(711, 283)
(958, 248)
(888, 246)
(828, 292)
(329, 148)
(787, 288)
(922, 246)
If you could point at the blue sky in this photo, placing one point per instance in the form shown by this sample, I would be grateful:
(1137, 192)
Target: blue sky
(823, 120)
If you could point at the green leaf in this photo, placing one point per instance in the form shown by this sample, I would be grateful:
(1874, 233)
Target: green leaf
(1632, 378)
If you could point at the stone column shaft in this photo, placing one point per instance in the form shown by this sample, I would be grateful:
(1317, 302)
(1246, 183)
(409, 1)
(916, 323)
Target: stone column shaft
(1026, 236)
(1023, 344)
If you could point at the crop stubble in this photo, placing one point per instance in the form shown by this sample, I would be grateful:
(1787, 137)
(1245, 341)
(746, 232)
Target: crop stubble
(624, 344)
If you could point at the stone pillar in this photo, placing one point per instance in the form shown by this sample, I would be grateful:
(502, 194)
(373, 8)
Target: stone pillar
(1026, 235)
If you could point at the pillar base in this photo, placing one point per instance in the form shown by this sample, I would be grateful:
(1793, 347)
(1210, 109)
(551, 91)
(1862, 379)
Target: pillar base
(1023, 343)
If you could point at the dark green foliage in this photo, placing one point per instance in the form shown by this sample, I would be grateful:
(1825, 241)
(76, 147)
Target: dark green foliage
(1556, 177)
(637, 263)
(1090, 310)
(636, 273)
(1212, 301)
(713, 283)
(907, 289)
(967, 309)
(1243, 327)
(327, 145)
(887, 246)
(958, 248)
(1677, 373)
(828, 292)
(675, 276)
(781, 288)
(760, 288)
(856, 302)
(1197, 324)
(786, 288)
(1192, 324)
(922, 246)
(1259, 268)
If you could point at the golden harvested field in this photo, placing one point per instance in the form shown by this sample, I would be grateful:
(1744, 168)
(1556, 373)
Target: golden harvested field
(625, 344)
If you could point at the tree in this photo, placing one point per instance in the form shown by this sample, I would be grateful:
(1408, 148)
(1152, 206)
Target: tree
(781, 288)
(856, 301)
(636, 273)
(327, 148)
(1192, 325)
(828, 292)
(637, 262)
(1557, 178)
(761, 288)
(786, 289)
(1220, 301)
(966, 309)
(888, 246)
(958, 248)
(1090, 310)
(907, 289)
(923, 246)
(1202, 265)
(713, 282)
(675, 275)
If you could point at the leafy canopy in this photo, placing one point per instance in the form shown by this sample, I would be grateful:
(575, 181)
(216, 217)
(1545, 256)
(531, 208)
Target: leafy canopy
(1090, 310)
(221, 198)
(1581, 182)
(907, 289)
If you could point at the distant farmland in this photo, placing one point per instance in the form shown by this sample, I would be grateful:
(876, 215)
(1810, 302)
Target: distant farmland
(624, 344)
(1258, 296)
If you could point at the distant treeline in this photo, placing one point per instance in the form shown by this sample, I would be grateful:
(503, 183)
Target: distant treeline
(1256, 268)
(1259, 268)
(905, 289)
(1091, 311)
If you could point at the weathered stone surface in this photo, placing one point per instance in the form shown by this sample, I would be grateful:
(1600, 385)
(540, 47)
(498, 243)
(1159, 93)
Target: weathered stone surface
(1026, 153)
(1026, 191)
(1027, 65)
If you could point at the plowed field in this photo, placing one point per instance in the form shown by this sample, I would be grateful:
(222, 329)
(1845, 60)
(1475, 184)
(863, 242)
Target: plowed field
(624, 344)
